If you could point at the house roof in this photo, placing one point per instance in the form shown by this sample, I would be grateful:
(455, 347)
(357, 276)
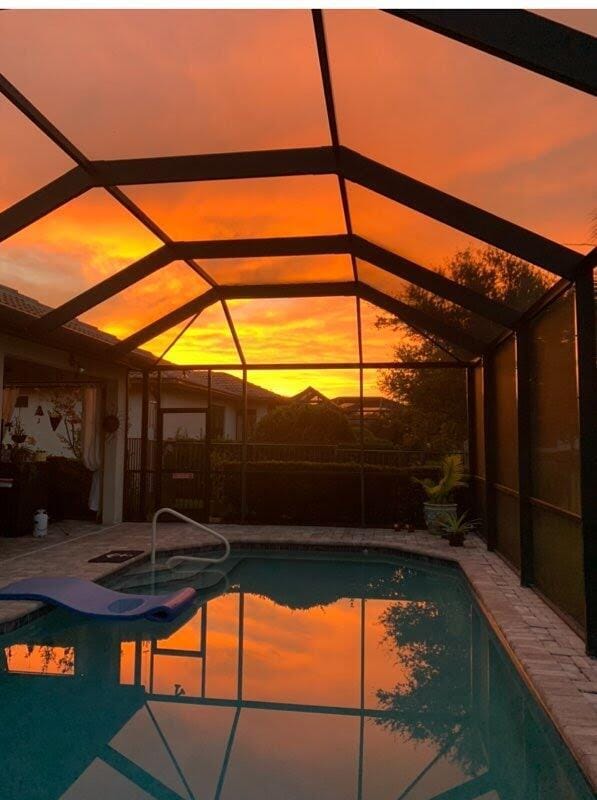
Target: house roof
(222, 383)
(16, 310)
(13, 299)
(310, 395)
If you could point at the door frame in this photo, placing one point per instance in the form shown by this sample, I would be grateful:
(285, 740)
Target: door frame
(205, 467)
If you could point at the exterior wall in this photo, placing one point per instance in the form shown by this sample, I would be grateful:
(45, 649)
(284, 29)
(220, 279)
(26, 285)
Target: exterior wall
(114, 380)
(39, 427)
(192, 425)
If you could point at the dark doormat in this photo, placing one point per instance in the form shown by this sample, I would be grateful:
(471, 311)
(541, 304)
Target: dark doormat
(115, 557)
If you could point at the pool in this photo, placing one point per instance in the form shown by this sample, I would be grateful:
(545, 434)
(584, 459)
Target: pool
(299, 676)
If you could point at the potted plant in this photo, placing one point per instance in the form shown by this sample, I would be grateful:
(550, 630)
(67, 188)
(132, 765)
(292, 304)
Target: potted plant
(456, 528)
(439, 494)
(18, 434)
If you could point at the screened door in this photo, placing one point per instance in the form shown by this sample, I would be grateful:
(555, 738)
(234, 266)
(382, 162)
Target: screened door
(183, 481)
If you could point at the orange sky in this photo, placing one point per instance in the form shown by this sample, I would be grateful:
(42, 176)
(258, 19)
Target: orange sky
(162, 83)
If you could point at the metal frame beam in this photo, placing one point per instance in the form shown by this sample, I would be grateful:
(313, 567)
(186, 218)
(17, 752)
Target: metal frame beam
(277, 247)
(348, 164)
(435, 282)
(586, 355)
(417, 318)
(43, 201)
(317, 365)
(528, 40)
(86, 165)
(524, 451)
(408, 314)
(200, 303)
(458, 214)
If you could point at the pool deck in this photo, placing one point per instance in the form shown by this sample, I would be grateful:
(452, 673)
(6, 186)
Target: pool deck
(548, 654)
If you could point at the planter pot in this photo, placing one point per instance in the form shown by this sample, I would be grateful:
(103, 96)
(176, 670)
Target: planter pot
(456, 539)
(18, 438)
(40, 455)
(433, 512)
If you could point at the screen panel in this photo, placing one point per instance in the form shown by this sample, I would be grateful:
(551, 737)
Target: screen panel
(435, 306)
(146, 301)
(479, 422)
(299, 205)
(506, 420)
(555, 462)
(437, 109)
(28, 159)
(207, 340)
(292, 269)
(438, 247)
(584, 20)
(297, 330)
(163, 82)
(507, 527)
(558, 561)
(73, 248)
(385, 338)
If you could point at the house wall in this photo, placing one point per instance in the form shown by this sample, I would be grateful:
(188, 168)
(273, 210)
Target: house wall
(39, 427)
(192, 425)
(114, 380)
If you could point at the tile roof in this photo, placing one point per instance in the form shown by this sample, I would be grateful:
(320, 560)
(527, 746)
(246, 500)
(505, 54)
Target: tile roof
(11, 298)
(221, 382)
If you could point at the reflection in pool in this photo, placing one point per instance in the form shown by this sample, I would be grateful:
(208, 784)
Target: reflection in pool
(310, 677)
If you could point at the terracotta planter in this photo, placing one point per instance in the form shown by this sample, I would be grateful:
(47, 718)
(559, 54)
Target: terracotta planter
(433, 513)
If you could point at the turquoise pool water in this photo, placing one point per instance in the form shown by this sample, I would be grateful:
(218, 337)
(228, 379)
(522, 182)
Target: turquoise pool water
(300, 677)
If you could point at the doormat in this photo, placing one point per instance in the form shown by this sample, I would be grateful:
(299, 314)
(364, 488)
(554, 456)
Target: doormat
(115, 557)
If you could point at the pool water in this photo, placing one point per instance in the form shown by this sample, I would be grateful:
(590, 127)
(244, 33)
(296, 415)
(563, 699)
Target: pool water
(301, 677)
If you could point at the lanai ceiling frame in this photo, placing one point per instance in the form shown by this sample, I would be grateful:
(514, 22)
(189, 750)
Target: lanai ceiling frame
(558, 53)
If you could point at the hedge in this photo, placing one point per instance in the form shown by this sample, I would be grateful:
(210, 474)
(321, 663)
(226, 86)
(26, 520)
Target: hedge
(323, 493)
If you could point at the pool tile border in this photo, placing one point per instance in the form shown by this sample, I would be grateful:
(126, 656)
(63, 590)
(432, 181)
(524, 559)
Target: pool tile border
(548, 655)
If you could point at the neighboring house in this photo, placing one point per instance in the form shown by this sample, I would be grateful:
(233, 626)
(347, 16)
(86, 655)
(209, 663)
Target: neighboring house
(189, 390)
(373, 406)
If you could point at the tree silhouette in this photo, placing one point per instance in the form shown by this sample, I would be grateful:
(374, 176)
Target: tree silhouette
(431, 410)
(431, 643)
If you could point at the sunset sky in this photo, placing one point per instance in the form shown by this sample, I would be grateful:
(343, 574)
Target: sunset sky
(147, 83)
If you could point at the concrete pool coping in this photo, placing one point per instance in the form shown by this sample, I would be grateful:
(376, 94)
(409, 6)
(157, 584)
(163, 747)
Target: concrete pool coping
(549, 655)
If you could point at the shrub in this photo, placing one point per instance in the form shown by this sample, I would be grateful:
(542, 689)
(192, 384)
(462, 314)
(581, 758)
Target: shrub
(301, 423)
(310, 493)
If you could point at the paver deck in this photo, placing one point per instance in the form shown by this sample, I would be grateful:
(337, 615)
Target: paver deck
(549, 655)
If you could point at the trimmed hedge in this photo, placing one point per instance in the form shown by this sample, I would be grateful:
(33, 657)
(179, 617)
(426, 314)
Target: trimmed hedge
(310, 493)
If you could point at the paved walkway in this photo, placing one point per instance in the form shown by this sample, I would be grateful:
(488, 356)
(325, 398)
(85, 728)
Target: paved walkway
(549, 655)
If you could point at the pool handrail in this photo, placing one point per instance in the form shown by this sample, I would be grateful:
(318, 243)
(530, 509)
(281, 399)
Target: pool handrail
(190, 521)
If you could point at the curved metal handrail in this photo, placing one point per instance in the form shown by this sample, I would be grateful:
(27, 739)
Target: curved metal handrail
(180, 558)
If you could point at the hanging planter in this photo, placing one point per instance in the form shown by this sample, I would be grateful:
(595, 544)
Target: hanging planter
(55, 420)
(111, 423)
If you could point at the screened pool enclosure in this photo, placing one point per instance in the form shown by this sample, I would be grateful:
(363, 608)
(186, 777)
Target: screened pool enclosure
(261, 192)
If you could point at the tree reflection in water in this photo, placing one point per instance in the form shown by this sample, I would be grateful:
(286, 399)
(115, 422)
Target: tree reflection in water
(431, 643)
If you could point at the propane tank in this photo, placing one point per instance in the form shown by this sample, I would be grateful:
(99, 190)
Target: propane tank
(40, 523)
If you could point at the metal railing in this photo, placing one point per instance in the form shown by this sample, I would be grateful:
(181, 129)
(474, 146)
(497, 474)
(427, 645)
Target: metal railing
(178, 559)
